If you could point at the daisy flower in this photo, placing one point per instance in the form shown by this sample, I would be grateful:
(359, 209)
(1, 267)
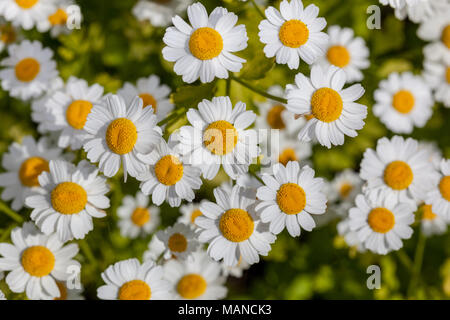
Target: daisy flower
(190, 212)
(334, 109)
(159, 13)
(289, 197)
(397, 169)
(232, 229)
(56, 21)
(36, 261)
(68, 110)
(137, 217)
(195, 279)
(347, 52)
(26, 13)
(403, 102)
(347, 185)
(439, 196)
(72, 196)
(155, 249)
(292, 33)
(169, 177)
(119, 134)
(152, 93)
(350, 237)
(218, 136)
(381, 225)
(437, 31)
(23, 164)
(431, 223)
(28, 70)
(8, 34)
(180, 241)
(437, 75)
(204, 49)
(130, 280)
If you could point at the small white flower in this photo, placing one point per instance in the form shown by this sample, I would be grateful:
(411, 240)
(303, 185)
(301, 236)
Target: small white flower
(36, 262)
(289, 197)
(9, 34)
(155, 249)
(159, 13)
(431, 223)
(416, 10)
(437, 75)
(179, 240)
(23, 164)
(71, 197)
(26, 13)
(205, 48)
(198, 278)
(350, 237)
(119, 134)
(190, 212)
(136, 217)
(346, 185)
(130, 280)
(28, 70)
(439, 196)
(381, 225)
(292, 33)
(335, 111)
(232, 228)
(57, 20)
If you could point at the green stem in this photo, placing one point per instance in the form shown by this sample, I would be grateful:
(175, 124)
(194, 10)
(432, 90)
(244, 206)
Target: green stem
(404, 259)
(10, 213)
(7, 232)
(173, 116)
(258, 91)
(418, 261)
(228, 87)
(258, 9)
(86, 249)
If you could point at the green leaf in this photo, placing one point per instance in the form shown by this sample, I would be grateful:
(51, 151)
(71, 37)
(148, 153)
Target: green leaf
(257, 68)
(189, 96)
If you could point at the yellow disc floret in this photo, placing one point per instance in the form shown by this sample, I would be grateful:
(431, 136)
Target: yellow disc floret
(345, 190)
(7, 34)
(326, 105)
(68, 198)
(427, 213)
(31, 169)
(169, 170)
(293, 33)
(403, 101)
(398, 175)
(381, 220)
(446, 36)
(135, 290)
(196, 213)
(338, 56)
(77, 113)
(236, 225)
(177, 243)
(287, 155)
(205, 43)
(447, 75)
(140, 216)
(444, 187)
(191, 286)
(26, 4)
(220, 137)
(38, 261)
(149, 100)
(274, 118)
(58, 18)
(291, 198)
(27, 69)
(121, 136)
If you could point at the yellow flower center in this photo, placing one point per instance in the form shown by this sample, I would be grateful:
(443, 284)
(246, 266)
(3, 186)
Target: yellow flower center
(38, 261)
(381, 220)
(68, 198)
(196, 213)
(220, 137)
(169, 170)
(444, 187)
(205, 43)
(427, 214)
(140, 216)
(149, 100)
(338, 56)
(121, 136)
(446, 36)
(62, 291)
(135, 290)
(274, 118)
(447, 75)
(7, 34)
(403, 101)
(31, 169)
(291, 198)
(236, 225)
(345, 190)
(326, 105)
(293, 33)
(26, 4)
(308, 116)
(27, 69)
(177, 243)
(77, 113)
(58, 18)
(287, 155)
(398, 175)
(191, 286)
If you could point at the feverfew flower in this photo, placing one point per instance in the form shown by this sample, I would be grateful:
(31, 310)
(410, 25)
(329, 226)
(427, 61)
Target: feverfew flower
(180, 241)
(190, 212)
(205, 48)
(57, 21)
(439, 196)
(26, 13)
(8, 34)
(431, 223)
(159, 13)
(416, 10)
(437, 75)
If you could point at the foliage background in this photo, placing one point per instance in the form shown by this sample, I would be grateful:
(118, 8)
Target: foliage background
(113, 47)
